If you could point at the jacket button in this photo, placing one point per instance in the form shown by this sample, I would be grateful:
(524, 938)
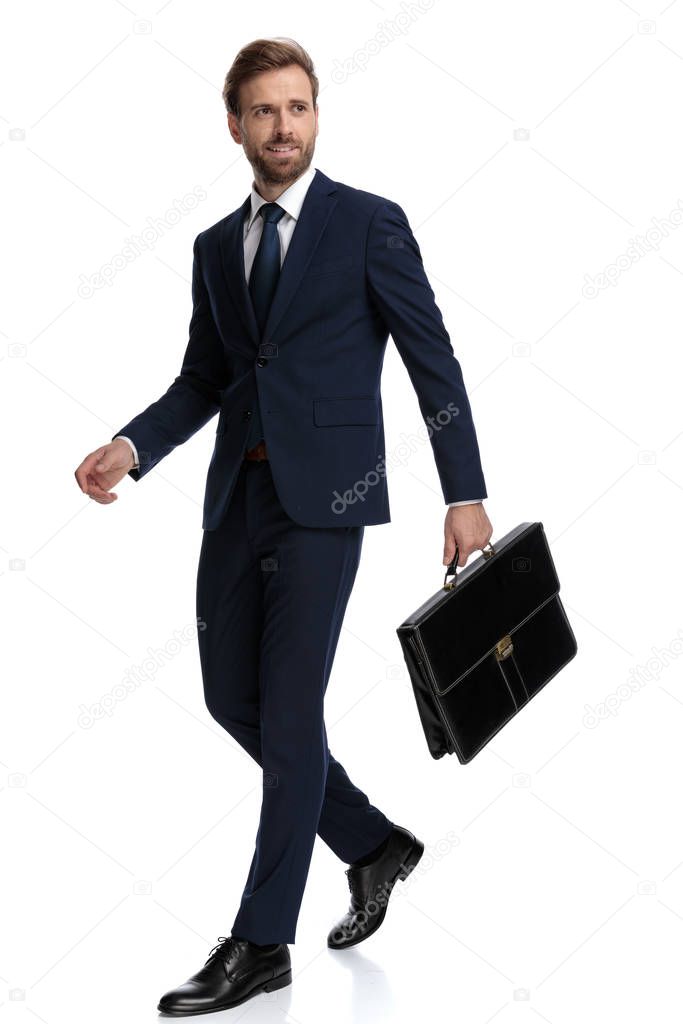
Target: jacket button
(261, 361)
(246, 414)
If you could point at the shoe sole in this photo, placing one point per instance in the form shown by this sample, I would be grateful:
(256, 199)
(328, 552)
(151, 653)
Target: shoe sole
(405, 869)
(270, 986)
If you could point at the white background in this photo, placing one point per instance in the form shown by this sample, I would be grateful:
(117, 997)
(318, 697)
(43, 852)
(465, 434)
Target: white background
(528, 143)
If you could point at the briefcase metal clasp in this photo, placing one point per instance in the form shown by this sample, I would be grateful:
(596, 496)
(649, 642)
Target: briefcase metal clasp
(504, 647)
(452, 568)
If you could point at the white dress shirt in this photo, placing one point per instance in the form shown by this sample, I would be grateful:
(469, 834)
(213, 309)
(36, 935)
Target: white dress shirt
(291, 201)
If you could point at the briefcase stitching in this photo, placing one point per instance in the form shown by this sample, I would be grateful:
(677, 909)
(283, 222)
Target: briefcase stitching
(469, 572)
(429, 675)
(502, 672)
(444, 717)
(435, 693)
(488, 653)
(487, 739)
(414, 654)
(521, 678)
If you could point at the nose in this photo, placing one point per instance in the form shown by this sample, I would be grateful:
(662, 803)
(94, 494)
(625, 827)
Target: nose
(284, 124)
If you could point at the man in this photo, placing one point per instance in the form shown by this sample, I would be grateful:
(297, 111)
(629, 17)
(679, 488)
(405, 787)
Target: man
(294, 296)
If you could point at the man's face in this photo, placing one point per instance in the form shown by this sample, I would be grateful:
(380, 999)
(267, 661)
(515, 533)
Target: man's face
(277, 110)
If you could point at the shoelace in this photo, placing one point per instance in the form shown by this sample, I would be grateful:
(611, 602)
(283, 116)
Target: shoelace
(224, 949)
(358, 892)
(355, 886)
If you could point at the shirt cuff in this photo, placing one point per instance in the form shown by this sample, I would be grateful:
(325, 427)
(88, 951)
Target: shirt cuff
(472, 501)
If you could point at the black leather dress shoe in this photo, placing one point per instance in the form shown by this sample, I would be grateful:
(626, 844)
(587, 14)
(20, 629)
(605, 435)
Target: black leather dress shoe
(234, 971)
(371, 887)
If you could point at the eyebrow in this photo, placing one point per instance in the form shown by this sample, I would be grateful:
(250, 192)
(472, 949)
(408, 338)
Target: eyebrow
(255, 106)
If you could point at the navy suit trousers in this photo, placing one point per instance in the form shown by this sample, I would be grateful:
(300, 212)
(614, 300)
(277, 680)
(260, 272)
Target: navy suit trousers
(272, 594)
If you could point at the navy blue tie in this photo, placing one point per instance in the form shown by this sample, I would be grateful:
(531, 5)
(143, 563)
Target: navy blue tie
(263, 279)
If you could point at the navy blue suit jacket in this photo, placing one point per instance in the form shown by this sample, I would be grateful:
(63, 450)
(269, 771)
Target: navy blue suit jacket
(352, 275)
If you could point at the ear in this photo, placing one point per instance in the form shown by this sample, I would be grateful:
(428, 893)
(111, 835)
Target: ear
(234, 128)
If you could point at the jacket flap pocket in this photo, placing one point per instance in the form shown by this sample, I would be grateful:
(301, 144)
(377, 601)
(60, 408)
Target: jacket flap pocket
(329, 412)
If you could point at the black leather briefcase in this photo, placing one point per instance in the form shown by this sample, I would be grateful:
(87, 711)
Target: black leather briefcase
(486, 642)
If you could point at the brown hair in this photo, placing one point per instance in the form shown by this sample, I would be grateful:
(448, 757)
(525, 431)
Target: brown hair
(265, 55)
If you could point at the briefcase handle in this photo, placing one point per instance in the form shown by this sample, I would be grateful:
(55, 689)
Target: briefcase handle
(451, 569)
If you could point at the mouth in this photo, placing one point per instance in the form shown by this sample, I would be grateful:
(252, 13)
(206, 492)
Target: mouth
(283, 150)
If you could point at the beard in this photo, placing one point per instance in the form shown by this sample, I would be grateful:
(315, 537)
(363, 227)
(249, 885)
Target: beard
(274, 171)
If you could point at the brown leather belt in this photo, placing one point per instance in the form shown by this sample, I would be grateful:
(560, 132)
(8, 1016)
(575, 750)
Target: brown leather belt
(257, 453)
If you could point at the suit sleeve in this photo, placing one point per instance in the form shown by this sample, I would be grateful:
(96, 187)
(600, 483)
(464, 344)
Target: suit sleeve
(195, 394)
(404, 299)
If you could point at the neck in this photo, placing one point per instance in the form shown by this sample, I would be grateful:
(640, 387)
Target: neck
(270, 191)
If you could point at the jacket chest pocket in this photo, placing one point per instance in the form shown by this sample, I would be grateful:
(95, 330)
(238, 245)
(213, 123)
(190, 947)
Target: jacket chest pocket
(332, 412)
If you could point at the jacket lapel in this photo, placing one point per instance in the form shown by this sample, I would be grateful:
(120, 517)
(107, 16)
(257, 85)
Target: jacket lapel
(319, 201)
(232, 255)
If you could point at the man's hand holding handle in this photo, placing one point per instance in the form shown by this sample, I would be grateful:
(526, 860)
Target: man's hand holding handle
(467, 526)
